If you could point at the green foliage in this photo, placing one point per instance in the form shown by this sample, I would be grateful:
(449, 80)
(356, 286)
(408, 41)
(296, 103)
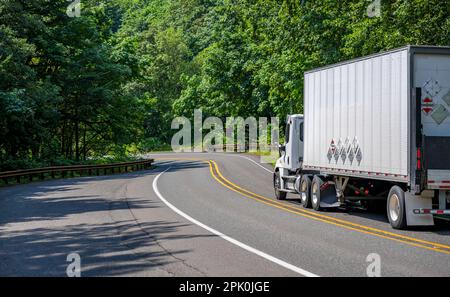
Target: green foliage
(61, 84)
(111, 81)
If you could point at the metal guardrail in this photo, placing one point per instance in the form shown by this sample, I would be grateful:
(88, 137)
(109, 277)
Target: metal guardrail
(241, 148)
(64, 170)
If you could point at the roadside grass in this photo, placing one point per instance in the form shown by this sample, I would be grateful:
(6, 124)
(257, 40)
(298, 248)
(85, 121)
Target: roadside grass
(264, 154)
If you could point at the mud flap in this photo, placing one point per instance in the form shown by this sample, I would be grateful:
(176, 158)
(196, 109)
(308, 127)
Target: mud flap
(328, 197)
(415, 202)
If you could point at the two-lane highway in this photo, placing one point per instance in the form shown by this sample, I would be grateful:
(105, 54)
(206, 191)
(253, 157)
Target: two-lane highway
(200, 215)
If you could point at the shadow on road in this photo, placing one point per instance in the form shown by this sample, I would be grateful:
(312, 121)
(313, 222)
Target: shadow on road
(442, 227)
(41, 223)
(103, 250)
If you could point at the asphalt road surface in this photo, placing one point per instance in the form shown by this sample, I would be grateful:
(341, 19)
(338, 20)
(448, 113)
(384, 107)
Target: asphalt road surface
(201, 215)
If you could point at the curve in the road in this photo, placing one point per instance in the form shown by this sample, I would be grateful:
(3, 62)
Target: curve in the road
(226, 237)
(218, 176)
(327, 219)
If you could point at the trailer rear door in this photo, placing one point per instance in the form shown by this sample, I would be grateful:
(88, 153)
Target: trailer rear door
(432, 76)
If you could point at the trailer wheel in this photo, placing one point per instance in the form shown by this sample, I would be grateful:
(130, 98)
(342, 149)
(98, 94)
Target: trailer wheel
(315, 192)
(396, 211)
(305, 191)
(280, 195)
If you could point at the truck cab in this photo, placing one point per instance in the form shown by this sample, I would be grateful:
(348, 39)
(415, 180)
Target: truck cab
(290, 162)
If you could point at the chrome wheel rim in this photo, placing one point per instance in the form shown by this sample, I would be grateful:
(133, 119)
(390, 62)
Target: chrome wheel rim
(394, 207)
(303, 197)
(303, 191)
(314, 194)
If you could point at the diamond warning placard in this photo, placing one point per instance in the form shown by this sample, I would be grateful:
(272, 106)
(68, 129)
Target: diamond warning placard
(432, 87)
(446, 98)
(440, 114)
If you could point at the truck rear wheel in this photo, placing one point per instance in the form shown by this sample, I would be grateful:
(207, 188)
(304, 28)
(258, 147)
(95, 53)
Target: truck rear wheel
(396, 211)
(305, 191)
(280, 195)
(315, 192)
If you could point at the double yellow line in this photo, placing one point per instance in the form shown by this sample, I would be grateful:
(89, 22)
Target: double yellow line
(217, 175)
(437, 247)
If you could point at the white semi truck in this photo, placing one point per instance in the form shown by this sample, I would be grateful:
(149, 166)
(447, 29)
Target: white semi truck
(374, 128)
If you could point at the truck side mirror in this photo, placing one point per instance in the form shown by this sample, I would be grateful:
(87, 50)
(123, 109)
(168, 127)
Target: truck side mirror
(281, 149)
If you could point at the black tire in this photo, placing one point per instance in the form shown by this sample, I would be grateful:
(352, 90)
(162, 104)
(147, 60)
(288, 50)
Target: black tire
(315, 192)
(396, 211)
(305, 191)
(276, 185)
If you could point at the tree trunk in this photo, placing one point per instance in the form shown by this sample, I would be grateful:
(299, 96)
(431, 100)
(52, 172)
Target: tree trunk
(84, 143)
(77, 140)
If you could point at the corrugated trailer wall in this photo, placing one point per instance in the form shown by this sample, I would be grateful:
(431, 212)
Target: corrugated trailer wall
(356, 117)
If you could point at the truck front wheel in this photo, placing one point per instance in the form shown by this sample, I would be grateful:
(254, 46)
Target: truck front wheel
(396, 208)
(280, 195)
(305, 191)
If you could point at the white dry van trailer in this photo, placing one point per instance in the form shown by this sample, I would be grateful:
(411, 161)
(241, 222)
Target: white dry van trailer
(374, 128)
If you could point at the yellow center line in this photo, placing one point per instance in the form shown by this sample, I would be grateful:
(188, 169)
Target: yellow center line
(331, 218)
(327, 219)
(213, 167)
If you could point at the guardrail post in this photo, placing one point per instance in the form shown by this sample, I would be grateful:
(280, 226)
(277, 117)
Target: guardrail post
(52, 174)
(18, 179)
(30, 177)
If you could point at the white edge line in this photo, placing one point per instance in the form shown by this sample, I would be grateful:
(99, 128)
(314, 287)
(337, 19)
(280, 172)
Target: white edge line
(227, 238)
(250, 159)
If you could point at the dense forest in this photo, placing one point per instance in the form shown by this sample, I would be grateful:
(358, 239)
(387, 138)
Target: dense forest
(110, 81)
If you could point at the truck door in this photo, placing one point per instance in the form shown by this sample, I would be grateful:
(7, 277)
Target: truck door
(301, 142)
(294, 142)
(432, 77)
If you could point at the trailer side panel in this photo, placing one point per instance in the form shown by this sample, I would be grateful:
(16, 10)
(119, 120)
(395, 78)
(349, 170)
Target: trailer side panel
(356, 118)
